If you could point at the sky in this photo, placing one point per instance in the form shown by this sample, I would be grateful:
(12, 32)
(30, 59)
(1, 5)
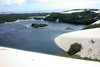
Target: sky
(46, 5)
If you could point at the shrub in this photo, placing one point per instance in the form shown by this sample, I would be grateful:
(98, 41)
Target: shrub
(74, 48)
(92, 41)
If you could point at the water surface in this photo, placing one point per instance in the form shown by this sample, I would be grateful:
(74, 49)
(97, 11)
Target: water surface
(21, 35)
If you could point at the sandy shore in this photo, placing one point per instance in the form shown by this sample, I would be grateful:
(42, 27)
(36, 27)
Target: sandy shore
(18, 58)
(85, 38)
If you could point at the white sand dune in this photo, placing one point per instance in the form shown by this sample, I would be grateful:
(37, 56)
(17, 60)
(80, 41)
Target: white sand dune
(84, 37)
(17, 58)
(73, 11)
(97, 11)
(97, 22)
(80, 10)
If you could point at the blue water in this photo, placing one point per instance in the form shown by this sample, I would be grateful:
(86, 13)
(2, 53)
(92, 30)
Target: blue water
(22, 36)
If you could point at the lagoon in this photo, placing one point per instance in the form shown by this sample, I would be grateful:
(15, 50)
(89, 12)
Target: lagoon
(21, 35)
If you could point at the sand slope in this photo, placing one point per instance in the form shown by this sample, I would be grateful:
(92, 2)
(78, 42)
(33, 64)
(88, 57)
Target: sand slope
(84, 37)
(17, 58)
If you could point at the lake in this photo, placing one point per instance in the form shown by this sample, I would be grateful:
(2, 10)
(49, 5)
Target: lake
(21, 35)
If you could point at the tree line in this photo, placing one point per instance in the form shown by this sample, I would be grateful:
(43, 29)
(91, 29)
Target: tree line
(85, 18)
(13, 17)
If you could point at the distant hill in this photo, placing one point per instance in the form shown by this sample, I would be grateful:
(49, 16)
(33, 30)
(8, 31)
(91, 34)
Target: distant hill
(80, 10)
(5, 13)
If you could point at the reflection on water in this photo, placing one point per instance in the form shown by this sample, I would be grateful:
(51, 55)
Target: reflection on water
(21, 35)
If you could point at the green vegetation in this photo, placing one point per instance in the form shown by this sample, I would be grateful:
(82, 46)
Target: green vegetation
(74, 48)
(78, 57)
(38, 17)
(13, 17)
(85, 18)
(92, 26)
(39, 25)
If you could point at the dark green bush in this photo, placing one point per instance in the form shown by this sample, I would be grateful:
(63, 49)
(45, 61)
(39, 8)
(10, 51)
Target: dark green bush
(38, 25)
(74, 48)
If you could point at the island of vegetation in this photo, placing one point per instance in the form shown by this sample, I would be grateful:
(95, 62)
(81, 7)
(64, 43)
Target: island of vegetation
(68, 28)
(84, 18)
(39, 25)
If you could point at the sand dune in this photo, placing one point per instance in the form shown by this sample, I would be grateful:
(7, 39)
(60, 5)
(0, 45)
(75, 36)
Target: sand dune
(84, 37)
(17, 58)
(97, 22)
(73, 11)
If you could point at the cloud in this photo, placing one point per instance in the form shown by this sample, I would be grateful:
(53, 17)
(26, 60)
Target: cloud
(46, 5)
(31, 1)
(68, 4)
(13, 2)
(54, 3)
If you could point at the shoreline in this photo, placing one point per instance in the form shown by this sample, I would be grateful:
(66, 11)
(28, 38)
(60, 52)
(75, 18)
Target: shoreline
(18, 20)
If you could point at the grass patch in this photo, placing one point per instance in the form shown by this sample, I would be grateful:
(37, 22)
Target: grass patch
(78, 57)
(92, 26)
